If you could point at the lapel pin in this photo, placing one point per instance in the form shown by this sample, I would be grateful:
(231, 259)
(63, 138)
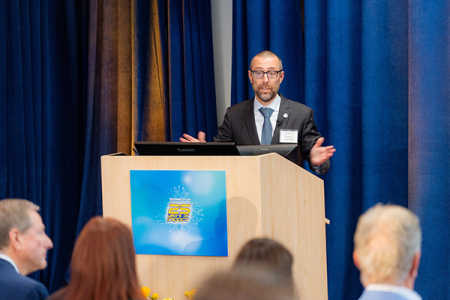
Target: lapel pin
(285, 115)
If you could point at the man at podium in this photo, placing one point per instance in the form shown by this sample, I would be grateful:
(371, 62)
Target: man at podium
(270, 118)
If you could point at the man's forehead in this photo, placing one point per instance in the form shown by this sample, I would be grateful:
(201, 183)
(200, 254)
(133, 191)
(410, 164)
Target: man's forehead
(35, 217)
(265, 62)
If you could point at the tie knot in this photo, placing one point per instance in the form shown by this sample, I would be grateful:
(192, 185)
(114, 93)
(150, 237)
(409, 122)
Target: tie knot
(266, 112)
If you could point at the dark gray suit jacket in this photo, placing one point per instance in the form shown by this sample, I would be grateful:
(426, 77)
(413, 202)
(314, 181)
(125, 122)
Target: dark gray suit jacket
(239, 127)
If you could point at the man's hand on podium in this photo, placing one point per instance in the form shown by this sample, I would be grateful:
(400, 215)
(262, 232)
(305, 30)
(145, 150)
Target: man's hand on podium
(188, 139)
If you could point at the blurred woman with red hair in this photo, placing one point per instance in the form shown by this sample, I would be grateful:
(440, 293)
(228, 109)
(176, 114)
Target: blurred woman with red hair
(103, 264)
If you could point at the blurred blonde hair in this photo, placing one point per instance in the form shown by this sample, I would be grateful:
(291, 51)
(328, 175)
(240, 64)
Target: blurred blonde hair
(386, 239)
(14, 213)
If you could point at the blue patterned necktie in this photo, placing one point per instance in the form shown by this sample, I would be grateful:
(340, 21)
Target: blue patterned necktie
(266, 135)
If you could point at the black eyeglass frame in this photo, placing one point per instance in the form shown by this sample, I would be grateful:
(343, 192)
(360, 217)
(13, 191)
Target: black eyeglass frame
(265, 73)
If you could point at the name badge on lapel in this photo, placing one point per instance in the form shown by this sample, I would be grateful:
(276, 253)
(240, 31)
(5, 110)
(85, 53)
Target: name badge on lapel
(288, 136)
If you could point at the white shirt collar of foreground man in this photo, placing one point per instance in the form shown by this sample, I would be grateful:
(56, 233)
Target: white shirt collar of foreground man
(402, 291)
(9, 259)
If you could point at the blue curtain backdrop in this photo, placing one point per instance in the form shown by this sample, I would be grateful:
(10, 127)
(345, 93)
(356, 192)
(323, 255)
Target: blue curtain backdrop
(376, 74)
(429, 140)
(40, 121)
(191, 87)
(81, 79)
(261, 25)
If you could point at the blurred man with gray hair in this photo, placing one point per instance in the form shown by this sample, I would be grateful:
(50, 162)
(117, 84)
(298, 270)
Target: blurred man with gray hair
(387, 252)
(23, 250)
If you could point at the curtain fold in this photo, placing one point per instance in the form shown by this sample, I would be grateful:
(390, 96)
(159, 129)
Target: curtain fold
(429, 140)
(190, 68)
(149, 95)
(40, 124)
(267, 25)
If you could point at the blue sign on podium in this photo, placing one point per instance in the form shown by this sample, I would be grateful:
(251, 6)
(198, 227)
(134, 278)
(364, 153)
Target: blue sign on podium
(179, 212)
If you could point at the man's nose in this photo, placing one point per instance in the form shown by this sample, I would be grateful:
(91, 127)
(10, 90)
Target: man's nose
(49, 243)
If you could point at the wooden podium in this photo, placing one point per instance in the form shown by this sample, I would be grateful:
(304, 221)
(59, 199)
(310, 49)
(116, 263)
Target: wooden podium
(267, 196)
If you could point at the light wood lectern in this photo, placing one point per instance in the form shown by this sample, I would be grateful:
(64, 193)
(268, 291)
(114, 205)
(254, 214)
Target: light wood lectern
(266, 196)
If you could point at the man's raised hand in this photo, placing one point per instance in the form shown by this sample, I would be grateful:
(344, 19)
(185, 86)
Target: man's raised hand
(190, 139)
(319, 154)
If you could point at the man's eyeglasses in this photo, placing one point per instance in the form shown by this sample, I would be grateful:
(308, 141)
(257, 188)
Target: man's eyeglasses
(270, 74)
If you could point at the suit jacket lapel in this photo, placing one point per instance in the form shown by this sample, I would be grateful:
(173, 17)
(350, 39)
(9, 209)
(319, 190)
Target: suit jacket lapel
(281, 120)
(249, 117)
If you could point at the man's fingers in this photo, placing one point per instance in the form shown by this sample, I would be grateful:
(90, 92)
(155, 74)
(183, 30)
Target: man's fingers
(202, 136)
(190, 139)
(319, 142)
(187, 138)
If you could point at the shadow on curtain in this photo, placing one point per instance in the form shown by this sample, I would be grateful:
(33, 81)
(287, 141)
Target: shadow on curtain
(376, 74)
(81, 79)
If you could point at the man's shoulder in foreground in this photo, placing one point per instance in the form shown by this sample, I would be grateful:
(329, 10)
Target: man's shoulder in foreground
(16, 286)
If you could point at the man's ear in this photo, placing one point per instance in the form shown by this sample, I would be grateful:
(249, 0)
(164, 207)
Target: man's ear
(415, 265)
(355, 259)
(250, 76)
(15, 239)
(281, 76)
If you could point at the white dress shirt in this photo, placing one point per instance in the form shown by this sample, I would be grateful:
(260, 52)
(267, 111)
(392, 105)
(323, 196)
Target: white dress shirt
(259, 118)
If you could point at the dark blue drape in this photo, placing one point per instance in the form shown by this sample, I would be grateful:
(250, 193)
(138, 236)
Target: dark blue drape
(81, 79)
(191, 69)
(429, 140)
(40, 120)
(267, 25)
(376, 74)
(359, 93)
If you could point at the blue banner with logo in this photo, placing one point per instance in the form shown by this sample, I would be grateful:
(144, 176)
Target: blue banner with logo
(179, 212)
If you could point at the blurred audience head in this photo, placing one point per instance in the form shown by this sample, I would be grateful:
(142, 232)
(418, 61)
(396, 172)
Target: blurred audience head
(269, 256)
(103, 263)
(266, 253)
(22, 235)
(387, 246)
(245, 283)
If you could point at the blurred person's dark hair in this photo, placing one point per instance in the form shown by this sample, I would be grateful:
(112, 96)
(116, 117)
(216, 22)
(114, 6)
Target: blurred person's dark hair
(246, 283)
(267, 253)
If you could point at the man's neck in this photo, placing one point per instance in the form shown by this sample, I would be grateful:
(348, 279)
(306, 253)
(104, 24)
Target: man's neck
(17, 262)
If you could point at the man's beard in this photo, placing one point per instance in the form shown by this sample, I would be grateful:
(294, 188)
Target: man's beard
(266, 97)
